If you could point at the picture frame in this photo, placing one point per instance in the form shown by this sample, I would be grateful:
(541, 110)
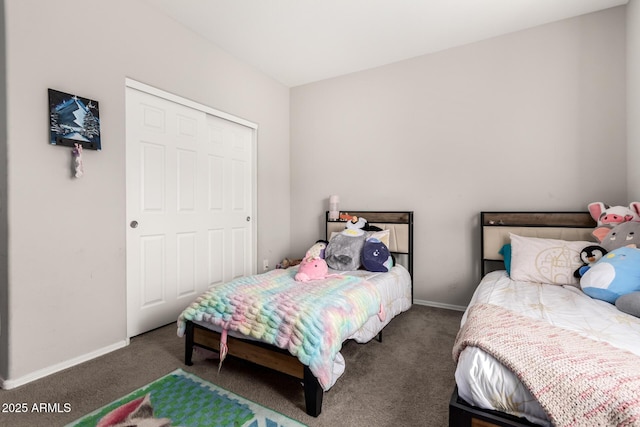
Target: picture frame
(74, 120)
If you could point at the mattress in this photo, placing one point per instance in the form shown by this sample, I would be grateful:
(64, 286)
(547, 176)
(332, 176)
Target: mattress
(395, 291)
(484, 382)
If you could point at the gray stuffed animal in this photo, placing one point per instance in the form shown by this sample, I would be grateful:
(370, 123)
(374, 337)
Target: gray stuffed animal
(344, 249)
(629, 303)
(343, 252)
(623, 234)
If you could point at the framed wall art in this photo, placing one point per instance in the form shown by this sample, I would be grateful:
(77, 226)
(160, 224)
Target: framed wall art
(74, 120)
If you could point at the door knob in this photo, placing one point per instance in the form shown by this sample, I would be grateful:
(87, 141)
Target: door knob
(248, 218)
(134, 224)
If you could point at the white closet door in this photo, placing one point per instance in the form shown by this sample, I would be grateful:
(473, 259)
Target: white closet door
(190, 199)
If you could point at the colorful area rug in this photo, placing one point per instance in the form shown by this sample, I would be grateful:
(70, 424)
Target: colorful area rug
(182, 399)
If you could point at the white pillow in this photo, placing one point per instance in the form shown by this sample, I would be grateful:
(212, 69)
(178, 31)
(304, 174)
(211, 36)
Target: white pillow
(545, 260)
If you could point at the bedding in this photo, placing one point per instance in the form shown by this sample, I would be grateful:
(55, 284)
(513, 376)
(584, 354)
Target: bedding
(486, 382)
(312, 319)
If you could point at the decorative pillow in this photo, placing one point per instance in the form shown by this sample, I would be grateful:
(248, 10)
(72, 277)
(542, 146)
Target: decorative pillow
(545, 260)
(376, 256)
(343, 252)
(505, 251)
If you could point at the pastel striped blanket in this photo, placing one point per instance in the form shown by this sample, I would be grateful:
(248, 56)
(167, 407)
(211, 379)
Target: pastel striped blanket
(577, 380)
(309, 319)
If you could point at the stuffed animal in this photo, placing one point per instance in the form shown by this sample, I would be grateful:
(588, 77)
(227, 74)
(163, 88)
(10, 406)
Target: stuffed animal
(345, 216)
(355, 226)
(288, 262)
(629, 303)
(623, 234)
(614, 275)
(589, 256)
(376, 256)
(343, 251)
(318, 249)
(313, 268)
(612, 215)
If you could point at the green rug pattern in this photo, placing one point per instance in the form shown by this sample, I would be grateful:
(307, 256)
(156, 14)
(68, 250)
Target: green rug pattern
(189, 401)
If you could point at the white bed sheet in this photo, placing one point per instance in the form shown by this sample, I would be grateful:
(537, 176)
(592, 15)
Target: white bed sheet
(484, 382)
(395, 291)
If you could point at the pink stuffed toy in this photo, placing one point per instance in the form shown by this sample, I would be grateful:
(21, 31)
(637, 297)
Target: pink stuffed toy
(311, 268)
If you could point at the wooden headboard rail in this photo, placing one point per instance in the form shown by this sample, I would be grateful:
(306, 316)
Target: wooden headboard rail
(538, 219)
(496, 226)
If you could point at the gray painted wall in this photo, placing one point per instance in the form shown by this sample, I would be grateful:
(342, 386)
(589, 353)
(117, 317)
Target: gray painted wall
(533, 120)
(66, 272)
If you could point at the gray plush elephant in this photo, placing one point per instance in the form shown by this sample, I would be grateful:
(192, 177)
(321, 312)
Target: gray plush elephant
(623, 234)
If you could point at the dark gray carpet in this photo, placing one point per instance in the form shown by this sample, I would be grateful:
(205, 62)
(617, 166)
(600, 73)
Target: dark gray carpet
(406, 380)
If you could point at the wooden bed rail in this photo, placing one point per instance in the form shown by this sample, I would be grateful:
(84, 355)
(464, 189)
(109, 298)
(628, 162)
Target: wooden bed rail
(261, 354)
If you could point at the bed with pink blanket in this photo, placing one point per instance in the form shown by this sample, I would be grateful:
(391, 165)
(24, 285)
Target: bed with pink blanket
(542, 352)
(298, 327)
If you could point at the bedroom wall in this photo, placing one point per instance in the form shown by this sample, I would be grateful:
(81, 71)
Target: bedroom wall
(633, 100)
(533, 120)
(66, 284)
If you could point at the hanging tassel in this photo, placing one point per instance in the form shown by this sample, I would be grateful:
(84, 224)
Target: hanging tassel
(76, 152)
(223, 348)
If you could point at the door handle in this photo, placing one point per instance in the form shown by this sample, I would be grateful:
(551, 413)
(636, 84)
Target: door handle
(133, 224)
(248, 218)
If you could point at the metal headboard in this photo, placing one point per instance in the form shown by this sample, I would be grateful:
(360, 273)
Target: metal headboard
(400, 222)
(496, 226)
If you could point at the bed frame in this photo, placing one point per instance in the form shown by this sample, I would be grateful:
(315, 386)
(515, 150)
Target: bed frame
(494, 231)
(401, 226)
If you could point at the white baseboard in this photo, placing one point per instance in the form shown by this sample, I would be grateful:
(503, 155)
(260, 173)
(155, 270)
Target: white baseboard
(9, 384)
(440, 305)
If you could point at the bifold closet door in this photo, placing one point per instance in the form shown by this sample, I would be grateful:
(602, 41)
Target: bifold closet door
(189, 206)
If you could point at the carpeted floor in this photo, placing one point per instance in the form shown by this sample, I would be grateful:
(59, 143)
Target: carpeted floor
(407, 379)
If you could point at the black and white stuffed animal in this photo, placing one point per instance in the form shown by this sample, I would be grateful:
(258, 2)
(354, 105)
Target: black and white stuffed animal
(589, 256)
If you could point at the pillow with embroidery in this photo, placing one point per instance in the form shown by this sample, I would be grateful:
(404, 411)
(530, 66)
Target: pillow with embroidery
(549, 261)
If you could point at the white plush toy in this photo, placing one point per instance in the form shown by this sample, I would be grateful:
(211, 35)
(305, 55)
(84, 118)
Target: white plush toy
(355, 226)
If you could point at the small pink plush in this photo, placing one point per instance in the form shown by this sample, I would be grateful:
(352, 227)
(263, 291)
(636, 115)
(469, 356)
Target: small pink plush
(313, 268)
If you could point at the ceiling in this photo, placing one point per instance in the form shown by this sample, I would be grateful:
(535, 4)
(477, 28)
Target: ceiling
(302, 41)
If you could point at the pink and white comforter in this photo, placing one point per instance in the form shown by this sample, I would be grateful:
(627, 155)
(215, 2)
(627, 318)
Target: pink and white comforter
(487, 383)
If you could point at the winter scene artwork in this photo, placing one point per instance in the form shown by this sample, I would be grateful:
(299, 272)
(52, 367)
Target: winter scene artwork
(74, 120)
